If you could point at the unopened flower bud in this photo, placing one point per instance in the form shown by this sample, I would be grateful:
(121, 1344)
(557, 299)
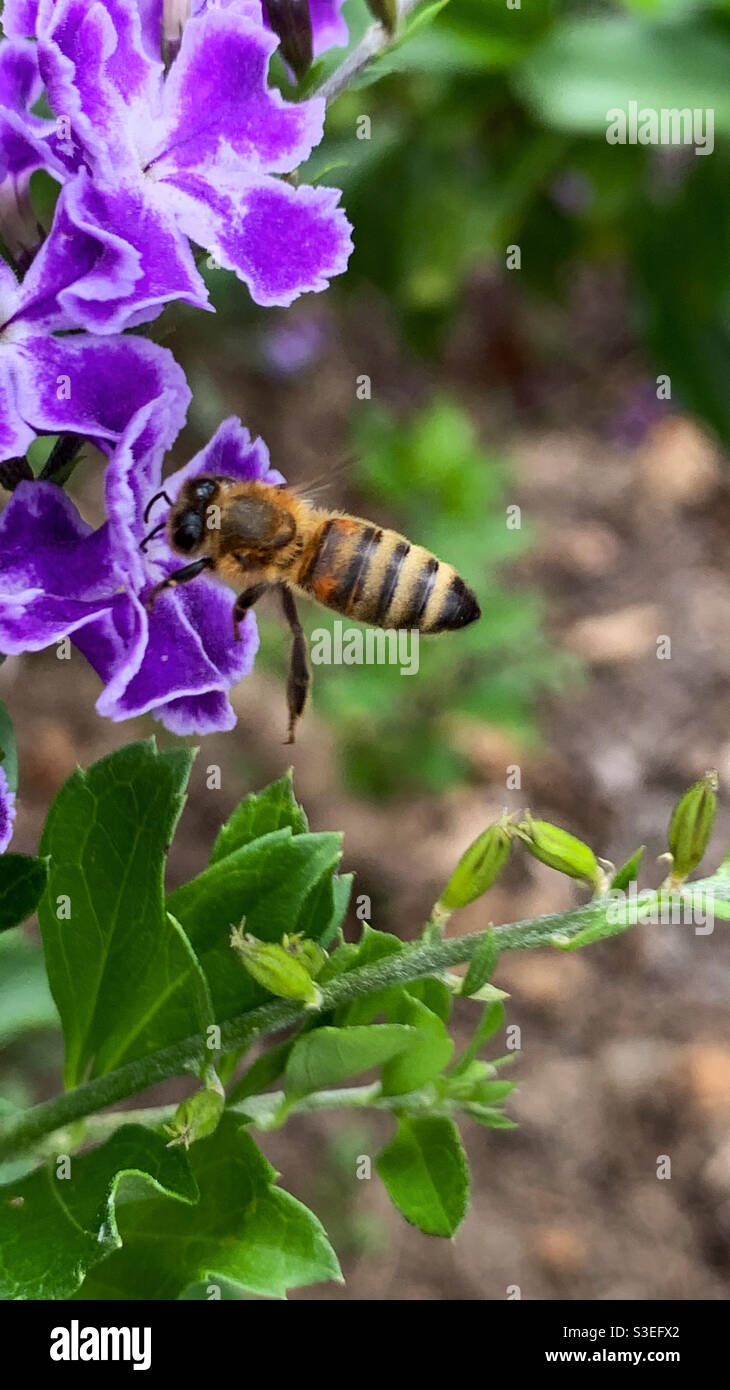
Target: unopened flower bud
(478, 867)
(387, 12)
(691, 826)
(559, 850)
(291, 21)
(306, 951)
(276, 968)
(175, 15)
(197, 1117)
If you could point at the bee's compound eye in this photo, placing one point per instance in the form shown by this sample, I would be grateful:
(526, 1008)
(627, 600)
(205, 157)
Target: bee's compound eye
(205, 489)
(189, 532)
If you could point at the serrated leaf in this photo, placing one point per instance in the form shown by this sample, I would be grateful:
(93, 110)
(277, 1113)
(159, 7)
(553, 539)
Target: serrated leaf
(54, 1230)
(122, 973)
(259, 814)
(8, 748)
(329, 1055)
(267, 881)
(425, 1172)
(243, 1229)
(23, 880)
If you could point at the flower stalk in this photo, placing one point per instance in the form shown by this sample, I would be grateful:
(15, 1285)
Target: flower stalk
(24, 1130)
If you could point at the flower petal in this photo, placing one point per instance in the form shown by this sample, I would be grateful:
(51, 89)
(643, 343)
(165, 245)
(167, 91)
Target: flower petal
(329, 29)
(93, 387)
(55, 572)
(15, 436)
(133, 476)
(20, 80)
(97, 72)
(175, 661)
(20, 18)
(280, 240)
(231, 453)
(7, 812)
(197, 714)
(138, 259)
(221, 71)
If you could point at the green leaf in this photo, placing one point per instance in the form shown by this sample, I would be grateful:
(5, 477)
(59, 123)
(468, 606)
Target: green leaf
(490, 1119)
(122, 973)
(53, 1229)
(243, 1229)
(434, 994)
(430, 1052)
(491, 1021)
(25, 999)
(8, 749)
(324, 910)
(262, 1072)
(373, 946)
(267, 881)
(425, 1172)
(482, 964)
(22, 882)
(259, 814)
(628, 873)
(329, 1055)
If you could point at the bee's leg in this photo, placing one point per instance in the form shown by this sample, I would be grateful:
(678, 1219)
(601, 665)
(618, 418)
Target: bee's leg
(245, 601)
(179, 577)
(297, 686)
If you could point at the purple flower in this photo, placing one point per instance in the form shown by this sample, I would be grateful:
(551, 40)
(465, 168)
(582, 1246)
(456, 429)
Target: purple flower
(59, 578)
(193, 155)
(7, 812)
(75, 383)
(329, 29)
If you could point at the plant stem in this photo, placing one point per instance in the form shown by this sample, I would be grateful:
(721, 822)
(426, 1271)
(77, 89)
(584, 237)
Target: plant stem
(62, 459)
(374, 41)
(414, 962)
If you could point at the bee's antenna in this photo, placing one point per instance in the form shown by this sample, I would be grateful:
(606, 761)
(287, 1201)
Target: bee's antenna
(152, 534)
(154, 499)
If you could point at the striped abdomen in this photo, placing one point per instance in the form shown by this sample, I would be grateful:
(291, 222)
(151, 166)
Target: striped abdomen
(377, 577)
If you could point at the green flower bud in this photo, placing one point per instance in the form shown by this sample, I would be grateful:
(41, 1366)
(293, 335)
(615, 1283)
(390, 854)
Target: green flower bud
(387, 12)
(306, 951)
(276, 968)
(197, 1117)
(479, 866)
(691, 827)
(291, 21)
(560, 850)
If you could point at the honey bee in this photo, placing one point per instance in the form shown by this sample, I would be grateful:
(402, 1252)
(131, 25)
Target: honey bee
(258, 536)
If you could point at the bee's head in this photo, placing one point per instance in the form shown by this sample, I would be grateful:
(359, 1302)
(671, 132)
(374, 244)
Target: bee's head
(186, 524)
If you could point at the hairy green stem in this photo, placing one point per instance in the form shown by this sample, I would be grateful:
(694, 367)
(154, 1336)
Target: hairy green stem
(22, 1131)
(374, 42)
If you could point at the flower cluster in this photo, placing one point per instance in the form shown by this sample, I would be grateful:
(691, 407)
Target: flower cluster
(164, 135)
